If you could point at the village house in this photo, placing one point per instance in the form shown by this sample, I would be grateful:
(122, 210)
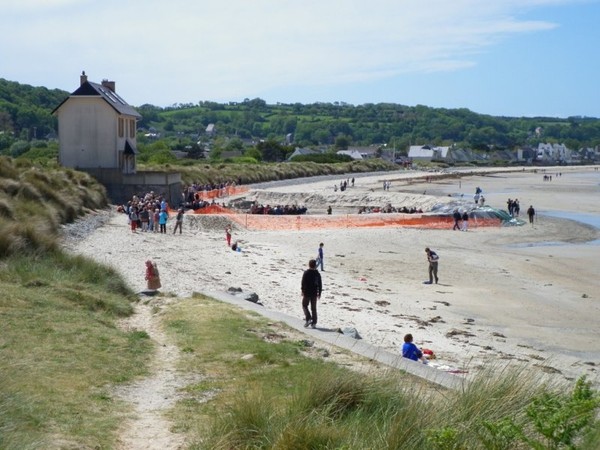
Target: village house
(302, 151)
(97, 133)
(553, 153)
(428, 153)
(354, 154)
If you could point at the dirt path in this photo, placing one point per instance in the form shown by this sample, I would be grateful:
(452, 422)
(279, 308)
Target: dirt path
(151, 397)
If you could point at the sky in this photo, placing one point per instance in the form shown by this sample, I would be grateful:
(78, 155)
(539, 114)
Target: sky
(518, 58)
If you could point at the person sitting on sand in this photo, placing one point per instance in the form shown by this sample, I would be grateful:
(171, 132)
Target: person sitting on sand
(410, 350)
(235, 247)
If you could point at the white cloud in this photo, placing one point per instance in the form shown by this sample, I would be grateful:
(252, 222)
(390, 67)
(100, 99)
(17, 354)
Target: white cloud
(224, 50)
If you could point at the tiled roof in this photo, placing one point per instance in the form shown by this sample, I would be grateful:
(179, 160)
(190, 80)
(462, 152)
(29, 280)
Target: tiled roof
(90, 89)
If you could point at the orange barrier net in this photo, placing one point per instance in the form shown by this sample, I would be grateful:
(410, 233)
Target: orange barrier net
(213, 209)
(308, 222)
(225, 192)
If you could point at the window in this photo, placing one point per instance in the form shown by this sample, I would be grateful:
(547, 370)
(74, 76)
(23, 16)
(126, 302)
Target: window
(132, 128)
(121, 127)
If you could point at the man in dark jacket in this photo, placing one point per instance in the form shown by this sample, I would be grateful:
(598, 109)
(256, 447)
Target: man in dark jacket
(457, 217)
(311, 291)
(432, 258)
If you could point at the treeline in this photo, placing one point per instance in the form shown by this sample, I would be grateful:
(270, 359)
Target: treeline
(25, 115)
(342, 125)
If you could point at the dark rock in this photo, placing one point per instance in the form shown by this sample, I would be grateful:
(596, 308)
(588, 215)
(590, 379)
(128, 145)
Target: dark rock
(351, 332)
(251, 297)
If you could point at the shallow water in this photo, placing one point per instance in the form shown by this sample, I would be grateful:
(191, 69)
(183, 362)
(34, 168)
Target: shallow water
(588, 219)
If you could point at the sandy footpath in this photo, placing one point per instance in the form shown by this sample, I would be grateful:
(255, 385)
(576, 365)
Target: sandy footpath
(512, 294)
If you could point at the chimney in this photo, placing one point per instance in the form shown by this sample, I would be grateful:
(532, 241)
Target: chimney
(82, 78)
(109, 84)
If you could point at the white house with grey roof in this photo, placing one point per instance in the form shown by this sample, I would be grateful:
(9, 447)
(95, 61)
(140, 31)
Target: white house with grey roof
(427, 152)
(97, 134)
(97, 128)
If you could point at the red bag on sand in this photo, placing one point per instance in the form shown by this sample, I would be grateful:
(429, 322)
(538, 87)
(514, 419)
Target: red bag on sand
(428, 353)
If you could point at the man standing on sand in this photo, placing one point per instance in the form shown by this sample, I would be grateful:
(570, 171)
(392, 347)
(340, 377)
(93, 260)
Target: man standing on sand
(179, 221)
(433, 259)
(531, 214)
(311, 291)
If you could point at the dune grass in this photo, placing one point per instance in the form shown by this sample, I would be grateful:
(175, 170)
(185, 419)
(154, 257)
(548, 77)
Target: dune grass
(261, 390)
(256, 173)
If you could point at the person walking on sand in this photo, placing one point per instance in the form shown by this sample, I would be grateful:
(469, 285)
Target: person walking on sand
(320, 261)
(228, 235)
(311, 287)
(531, 214)
(465, 221)
(457, 217)
(410, 350)
(178, 221)
(133, 218)
(433, 259)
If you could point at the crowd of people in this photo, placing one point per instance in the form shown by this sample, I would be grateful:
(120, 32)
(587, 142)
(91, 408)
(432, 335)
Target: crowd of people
(148, 213)
(514, 208)
(389, 209)
(277, 209)
(195, 196)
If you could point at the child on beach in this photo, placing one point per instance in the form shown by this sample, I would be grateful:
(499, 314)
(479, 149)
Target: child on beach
(152, 276)
(411, 351)
(228, 235)
(320, 257)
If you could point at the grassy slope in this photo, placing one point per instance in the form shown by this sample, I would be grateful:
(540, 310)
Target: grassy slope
(60, 348)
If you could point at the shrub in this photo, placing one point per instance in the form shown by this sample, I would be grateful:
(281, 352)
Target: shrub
(323, 158)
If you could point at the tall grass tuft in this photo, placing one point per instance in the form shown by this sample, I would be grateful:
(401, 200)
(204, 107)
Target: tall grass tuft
(245, 423)
(6, 209)
(7, 168)
(333, 394)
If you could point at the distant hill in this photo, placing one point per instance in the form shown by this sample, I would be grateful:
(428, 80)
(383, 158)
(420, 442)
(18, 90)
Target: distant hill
(25, 110)
(25, 114)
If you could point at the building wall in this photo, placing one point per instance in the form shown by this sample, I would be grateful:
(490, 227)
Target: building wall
(121, 187)
(87, 130)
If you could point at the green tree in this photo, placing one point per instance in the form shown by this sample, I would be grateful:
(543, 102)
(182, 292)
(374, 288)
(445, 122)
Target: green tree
(342, 142)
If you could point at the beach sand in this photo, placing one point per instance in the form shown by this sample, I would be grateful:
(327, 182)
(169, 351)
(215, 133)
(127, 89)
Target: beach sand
(520, 294)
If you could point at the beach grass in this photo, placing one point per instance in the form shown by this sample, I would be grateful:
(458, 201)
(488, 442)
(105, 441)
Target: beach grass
(263, 390)
(261, 172)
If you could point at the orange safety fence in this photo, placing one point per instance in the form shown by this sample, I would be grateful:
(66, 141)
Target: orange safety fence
(225, 192)
(212, 209)
(308, 222)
